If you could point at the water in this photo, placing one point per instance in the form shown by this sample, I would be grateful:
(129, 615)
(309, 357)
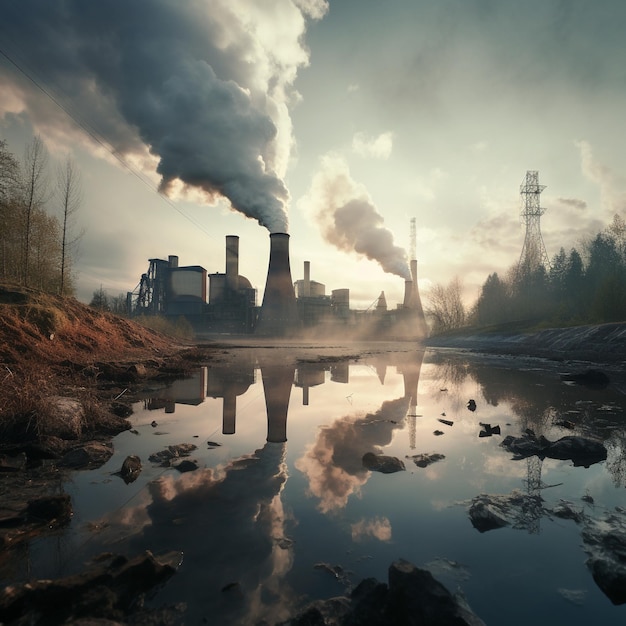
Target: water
(283, 494)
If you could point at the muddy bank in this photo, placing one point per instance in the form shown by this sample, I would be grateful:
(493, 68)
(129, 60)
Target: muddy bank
(604, 343)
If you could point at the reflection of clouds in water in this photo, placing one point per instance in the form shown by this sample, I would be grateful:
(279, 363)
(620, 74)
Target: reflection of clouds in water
(333, 464)
(230, 526)
(379, 528)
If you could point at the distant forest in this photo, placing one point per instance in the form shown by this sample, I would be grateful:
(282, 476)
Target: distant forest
(585, 285)
(38, 240)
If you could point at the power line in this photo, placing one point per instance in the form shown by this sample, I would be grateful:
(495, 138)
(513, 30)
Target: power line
(95, 136)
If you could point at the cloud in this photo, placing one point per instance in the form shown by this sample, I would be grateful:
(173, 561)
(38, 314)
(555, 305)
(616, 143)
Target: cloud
(612, 187)
(378, 147)
(573, 202)
(379, 528)
(348, 218)
(206, 87)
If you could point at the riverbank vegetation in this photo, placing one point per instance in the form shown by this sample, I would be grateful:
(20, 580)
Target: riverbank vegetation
(585, 285)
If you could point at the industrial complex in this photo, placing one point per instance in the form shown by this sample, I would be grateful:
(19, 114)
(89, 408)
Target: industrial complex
(226, 303)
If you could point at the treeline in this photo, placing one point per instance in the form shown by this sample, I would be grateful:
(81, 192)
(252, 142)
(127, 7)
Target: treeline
(584, 285)
(38, 240)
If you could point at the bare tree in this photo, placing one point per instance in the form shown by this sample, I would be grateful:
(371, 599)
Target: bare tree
(69, 190)
(34, 189)
(9, 184)
(445, 306)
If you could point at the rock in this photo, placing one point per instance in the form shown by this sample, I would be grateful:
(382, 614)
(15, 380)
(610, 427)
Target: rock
(15, 463)
(104, 592)
(424, 460)
(604, 540)
(90, 455)
(412, 597)
(382, 463)
(66, 418)
(415, 597)
(138, 370)
(164, 457)
(131, 468)
(121, 409)
(595, 379)
(488, 430)
(438, 433)
(580, 450)
(471, 405)
(446, 422)
(519, 510)
(50, 509)
(186, 465)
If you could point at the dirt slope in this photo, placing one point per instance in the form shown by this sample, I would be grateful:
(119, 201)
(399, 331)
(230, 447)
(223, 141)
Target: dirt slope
(39, 329)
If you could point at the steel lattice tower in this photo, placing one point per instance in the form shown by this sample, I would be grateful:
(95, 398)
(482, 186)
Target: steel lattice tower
(534, 250)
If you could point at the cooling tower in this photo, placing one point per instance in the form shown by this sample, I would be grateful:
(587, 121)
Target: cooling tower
(416, 303)
(277, 382)
(278, 315)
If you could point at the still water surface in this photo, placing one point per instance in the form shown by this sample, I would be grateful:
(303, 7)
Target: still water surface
(286, 490)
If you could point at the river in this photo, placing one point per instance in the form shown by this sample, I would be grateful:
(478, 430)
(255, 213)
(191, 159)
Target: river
(281, 509)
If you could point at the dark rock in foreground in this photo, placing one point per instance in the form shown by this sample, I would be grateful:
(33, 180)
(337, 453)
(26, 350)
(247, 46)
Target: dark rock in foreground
(382, 463)
(412, 597)
(167, 457)
(580, 450)
(105, 592)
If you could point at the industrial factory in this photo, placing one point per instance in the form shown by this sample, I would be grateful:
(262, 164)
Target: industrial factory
(226, 303)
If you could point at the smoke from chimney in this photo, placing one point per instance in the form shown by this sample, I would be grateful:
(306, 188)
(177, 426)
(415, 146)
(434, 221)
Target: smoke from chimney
(349, 220)
(203, 88)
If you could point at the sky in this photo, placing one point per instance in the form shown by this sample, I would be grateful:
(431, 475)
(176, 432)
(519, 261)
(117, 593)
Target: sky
(336, 121)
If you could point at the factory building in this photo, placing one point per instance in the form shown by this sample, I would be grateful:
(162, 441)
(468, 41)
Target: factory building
(226, 303)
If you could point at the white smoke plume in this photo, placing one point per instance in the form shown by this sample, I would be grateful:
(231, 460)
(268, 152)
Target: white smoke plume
(204, 86)
(349, 220)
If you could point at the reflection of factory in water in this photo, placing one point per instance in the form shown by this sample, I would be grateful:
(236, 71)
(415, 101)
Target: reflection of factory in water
(227, 302)
(228, 381)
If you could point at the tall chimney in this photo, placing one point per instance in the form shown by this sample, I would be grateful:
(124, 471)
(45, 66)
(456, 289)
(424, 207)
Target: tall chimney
(307, 279)
(232, 262)
(278, 315)
(408, 294)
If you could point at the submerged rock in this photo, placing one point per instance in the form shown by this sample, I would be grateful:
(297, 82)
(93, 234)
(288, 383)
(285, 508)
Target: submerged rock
(595, 379)
(424, 459)
(165, 457)
(517, 509)
(382, 463)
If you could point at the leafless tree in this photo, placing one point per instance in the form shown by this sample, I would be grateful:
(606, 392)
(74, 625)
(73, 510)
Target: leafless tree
(69, 189)
(445, 307)
(34, 189)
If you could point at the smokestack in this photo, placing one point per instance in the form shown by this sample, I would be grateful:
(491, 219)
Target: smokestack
(232, 262)
(278, 315)
(408, 294)
(307, 279)
(172, 259)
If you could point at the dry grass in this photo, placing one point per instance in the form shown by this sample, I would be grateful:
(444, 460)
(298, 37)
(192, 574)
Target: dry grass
(46, 338)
